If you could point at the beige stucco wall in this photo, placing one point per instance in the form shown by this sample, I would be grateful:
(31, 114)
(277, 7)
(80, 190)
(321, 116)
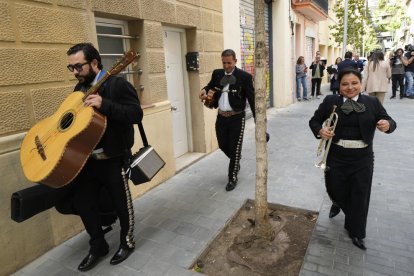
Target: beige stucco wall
(283, 74)
(34, 37)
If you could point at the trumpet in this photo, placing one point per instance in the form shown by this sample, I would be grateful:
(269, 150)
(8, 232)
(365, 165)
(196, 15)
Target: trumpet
(326, 144)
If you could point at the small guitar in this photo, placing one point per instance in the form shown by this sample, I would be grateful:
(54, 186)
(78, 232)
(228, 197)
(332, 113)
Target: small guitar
(209, 101)
(55, 149)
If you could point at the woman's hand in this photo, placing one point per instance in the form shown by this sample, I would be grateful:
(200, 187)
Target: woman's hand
(326, 133)
(383, 125)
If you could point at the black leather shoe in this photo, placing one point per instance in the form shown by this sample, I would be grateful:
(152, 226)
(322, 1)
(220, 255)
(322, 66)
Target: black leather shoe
(359, 243)
(392, 97)
(121, 255)
(334, 210)
(231, 185)
(89, 262)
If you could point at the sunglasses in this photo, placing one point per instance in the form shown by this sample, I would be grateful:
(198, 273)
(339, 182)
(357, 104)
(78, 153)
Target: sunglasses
(77, 66)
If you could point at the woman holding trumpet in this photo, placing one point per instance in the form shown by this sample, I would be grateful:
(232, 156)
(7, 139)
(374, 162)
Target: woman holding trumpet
(349, 134)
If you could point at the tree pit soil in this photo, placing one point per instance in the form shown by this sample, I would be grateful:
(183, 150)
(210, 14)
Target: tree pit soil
(237, 251)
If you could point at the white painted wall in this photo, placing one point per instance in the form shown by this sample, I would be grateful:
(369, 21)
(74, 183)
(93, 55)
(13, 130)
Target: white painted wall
(283, 60)
(231, 26)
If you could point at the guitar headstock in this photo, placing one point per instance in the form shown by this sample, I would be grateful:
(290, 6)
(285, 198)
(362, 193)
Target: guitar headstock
(126, 59)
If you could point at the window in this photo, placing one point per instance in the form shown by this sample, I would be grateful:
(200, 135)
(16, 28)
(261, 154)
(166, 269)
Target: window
(113, 41)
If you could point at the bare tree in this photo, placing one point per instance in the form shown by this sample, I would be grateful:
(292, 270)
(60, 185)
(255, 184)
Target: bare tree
(262, 225)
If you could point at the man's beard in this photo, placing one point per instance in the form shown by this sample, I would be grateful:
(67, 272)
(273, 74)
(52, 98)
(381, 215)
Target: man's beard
(88, 79)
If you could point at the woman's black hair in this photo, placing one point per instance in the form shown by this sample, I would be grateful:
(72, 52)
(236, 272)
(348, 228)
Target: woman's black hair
(89, 51)
(348, 71)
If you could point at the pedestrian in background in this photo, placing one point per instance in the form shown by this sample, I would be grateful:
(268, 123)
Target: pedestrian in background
(377, 74)
(408, 61)
(360, 63)
(334, 76)
(398, 72)
(350, 161)
(317, 68)
(348, 62)
(301, 74)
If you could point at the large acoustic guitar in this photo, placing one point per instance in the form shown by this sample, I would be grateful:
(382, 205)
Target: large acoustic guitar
(55, 149)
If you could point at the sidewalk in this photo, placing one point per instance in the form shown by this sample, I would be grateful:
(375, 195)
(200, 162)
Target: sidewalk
(176, 220)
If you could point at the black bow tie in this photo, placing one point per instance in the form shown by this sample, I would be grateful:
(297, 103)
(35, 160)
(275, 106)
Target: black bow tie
(228, 79)
(351, 105)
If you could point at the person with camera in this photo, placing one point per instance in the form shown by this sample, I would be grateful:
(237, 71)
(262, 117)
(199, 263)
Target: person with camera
(317, 68)
(408, 61)
(398, 72)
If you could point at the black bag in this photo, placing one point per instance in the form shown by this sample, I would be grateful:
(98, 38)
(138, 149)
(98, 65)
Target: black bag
(31, 201)
(330, 70)
(145, 163)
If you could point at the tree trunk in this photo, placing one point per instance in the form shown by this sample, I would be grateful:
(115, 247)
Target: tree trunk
(262, 226)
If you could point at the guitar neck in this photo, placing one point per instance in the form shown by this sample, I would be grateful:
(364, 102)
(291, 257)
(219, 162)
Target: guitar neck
(126, 59)
(94, 89)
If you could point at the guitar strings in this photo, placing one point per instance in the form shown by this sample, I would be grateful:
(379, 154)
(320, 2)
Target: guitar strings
(65, 122)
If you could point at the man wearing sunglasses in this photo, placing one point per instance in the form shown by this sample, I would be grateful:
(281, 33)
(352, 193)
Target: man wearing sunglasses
(118, 101)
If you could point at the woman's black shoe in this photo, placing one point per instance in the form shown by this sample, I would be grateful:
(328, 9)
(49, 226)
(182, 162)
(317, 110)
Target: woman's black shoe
(392, 97)
(334, 210)
(121, 255)
(359, 243)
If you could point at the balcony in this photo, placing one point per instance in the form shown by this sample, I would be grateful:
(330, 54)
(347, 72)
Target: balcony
(316, 10)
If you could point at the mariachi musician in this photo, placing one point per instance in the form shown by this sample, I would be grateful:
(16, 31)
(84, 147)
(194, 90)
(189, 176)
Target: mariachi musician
(228, 90)
(118, 101)
(350, 162)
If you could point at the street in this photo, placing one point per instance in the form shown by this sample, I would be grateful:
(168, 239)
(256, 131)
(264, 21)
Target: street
(176, 220)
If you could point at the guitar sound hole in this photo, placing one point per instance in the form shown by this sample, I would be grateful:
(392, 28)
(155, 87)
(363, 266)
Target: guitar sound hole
(66, 121)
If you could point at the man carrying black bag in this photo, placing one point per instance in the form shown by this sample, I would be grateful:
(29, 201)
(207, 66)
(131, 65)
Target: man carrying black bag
(118, 101)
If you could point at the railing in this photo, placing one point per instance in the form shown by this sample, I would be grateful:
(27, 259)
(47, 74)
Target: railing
(323, 4)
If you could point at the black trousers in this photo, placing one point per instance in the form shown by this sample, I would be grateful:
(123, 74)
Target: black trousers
(348, 182)
(316, 86)
(85, 191)
(397, 79)
(229, 131)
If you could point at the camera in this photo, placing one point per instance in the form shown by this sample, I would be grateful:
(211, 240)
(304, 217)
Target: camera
(409, 48)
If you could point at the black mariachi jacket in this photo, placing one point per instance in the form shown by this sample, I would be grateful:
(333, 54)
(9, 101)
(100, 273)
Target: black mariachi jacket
(367, 119)
(121, 106)
(239, 92)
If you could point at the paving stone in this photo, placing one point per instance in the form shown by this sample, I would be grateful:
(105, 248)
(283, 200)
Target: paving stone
(185, 229)
(176, 270)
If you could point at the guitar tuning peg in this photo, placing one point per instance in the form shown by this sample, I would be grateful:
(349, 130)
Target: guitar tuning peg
(140, 71)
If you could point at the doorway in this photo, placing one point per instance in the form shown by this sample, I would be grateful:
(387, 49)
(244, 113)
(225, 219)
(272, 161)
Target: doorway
(176, 88)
